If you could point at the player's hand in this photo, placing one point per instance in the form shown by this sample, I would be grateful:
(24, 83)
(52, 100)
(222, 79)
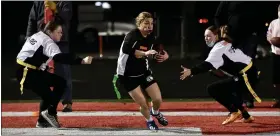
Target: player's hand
(162, 57)
(185, 73)
(150, 52)
(87, 60)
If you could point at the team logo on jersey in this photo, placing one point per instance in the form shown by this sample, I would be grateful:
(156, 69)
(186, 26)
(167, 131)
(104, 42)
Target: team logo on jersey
(32, 41)
(143, 48)
(138, 56)
(149, 78)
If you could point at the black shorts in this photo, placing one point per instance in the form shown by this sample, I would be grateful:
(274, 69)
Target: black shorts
(276, 69)
(130, 83)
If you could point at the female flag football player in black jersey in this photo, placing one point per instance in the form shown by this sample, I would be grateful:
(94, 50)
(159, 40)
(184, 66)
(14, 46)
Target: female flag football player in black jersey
(231, 60)
(133, 69)
(32, 72)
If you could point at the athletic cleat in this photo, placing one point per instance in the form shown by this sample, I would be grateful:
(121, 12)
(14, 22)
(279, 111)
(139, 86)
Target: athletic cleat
(161, 119)
(243, 120)
(43, 124)
(276, 105)
(67, 108)
(232, 117)
(50, 118)
(151, 125)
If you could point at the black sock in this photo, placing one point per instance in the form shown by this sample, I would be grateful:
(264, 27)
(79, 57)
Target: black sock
(231, 108)
(245, 114)
(52, 110)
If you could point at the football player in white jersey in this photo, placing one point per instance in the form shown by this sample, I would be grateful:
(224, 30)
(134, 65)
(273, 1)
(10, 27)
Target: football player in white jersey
(233, 61)
(211, 35)
(32, 72)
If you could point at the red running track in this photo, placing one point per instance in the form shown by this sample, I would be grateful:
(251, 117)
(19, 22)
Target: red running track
(118, 106)
(208, 124)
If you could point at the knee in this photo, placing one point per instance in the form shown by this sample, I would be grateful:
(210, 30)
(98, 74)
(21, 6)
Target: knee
(61, 85)
(157, 100)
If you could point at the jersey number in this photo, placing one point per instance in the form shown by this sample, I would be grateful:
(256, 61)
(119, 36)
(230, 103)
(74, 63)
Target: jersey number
(32, 41)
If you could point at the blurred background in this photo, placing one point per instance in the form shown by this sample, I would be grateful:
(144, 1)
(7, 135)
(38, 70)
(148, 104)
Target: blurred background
(98, 28)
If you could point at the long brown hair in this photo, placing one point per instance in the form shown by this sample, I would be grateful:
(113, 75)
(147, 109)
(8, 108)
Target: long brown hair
(215, 31)
(53, 24)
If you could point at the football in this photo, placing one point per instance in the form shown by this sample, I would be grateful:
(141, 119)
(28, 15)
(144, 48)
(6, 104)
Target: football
(160, 49)
(275, 41)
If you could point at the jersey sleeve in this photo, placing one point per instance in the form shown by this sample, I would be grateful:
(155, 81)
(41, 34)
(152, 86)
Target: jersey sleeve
(50, 48)
(201, 68)
(215, 56)
(128, 44)
(214, 59)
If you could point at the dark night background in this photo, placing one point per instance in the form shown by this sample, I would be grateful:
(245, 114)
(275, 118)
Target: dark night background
(15, 16)
(14, 23)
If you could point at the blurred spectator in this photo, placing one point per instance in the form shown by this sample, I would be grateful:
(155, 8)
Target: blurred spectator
(274, 31)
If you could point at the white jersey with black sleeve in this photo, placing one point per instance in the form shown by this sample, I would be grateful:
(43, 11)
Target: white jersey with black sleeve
(223, 56)
(38, 50)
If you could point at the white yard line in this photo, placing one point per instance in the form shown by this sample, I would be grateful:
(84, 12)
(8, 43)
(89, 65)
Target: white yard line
(101, 131)
(129, 113)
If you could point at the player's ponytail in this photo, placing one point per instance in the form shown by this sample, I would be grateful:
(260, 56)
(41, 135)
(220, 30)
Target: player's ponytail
(52, 25)
(224, 33)
(42, 25)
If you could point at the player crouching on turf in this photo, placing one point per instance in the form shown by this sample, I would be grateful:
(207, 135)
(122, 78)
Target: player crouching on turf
(32, 72)
(232, 60)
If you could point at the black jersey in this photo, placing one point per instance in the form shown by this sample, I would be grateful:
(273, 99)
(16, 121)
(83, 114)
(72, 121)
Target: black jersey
(129, 64)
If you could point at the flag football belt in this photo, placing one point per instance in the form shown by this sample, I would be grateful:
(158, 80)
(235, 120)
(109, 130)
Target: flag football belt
(115, 86)
(27, 66)
(243, 72)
